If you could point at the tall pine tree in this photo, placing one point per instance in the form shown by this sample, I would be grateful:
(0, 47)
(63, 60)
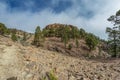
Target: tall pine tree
(65, 35)
(114, 34)
(37, 37)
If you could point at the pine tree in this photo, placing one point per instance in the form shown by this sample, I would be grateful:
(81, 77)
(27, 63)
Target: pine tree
(38, 37)
(74, 33)
(77, 43)
(65, 35)
(114, 34)
(24, 36)
(65, 39)
(82, 33)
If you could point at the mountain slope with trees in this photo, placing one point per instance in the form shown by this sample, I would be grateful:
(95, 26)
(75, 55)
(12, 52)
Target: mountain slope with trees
(60, 52)
(63, 38)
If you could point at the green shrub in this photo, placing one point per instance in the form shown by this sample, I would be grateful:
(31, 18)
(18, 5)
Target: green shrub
(43, 78)
(91, 41)
(3, 29)
(51, 76)
(70, 46)
(14, 37)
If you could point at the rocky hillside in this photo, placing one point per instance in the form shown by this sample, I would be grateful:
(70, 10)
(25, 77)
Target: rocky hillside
(18, 62)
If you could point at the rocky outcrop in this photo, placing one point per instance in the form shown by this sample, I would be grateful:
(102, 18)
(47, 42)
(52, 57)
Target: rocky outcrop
(56, 26)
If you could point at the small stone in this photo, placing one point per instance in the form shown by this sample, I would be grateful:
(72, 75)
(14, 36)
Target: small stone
(72, 78)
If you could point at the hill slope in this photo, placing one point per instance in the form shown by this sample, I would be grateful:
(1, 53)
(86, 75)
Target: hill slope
(31, 63)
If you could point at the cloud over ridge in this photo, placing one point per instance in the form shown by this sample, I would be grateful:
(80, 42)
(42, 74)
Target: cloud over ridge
(90, 15)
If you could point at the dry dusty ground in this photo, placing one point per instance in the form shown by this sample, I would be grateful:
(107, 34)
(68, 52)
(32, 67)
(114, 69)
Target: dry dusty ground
(30, 63)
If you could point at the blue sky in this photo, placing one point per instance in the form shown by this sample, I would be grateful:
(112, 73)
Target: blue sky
(37, 5)
(88, 14)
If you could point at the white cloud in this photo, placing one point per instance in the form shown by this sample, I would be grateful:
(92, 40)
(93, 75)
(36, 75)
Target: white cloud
(97, 24)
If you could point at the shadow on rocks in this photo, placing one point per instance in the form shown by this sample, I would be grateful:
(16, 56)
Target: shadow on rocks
(12, 78)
